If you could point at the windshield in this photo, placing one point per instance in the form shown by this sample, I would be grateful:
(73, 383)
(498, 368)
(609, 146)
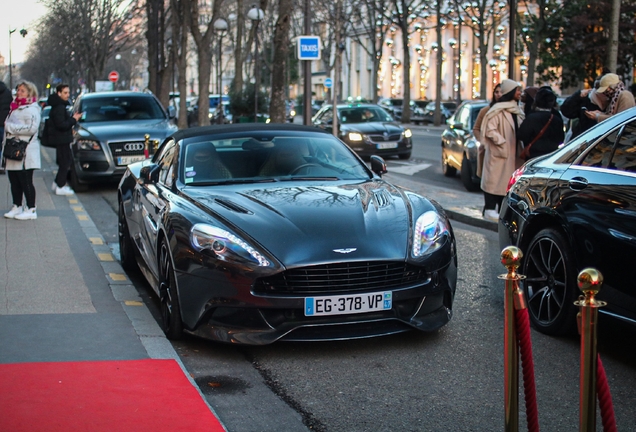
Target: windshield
(247, 159)
(363, 115)
(120, 108)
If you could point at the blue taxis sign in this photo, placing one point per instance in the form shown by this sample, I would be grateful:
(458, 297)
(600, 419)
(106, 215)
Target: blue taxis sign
(308, 48)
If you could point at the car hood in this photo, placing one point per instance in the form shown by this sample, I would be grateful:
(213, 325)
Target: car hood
(127, 130)
(372, 128)
(317, 223)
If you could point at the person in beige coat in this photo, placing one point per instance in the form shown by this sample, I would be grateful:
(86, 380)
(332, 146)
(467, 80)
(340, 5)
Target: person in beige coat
(496, 94)
(499, 138)
(619, 98)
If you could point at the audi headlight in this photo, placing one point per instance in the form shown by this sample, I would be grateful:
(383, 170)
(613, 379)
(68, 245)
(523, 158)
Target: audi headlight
(355, 136)
(408, 133)
(85, 144)
(430, 234)
(225, 245)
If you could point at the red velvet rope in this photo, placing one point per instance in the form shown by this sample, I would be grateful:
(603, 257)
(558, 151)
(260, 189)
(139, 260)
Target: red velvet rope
(522, 324)
(604, 398)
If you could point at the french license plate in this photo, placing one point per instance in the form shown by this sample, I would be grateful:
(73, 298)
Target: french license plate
(125, 160)
(388, 145)
(348, 304)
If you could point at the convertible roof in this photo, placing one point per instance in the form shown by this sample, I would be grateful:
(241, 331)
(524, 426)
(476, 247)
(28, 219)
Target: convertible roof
(245, 127)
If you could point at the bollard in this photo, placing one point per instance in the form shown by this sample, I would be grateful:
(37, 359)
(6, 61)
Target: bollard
(511, 258)
(589, 281)
(146, 146)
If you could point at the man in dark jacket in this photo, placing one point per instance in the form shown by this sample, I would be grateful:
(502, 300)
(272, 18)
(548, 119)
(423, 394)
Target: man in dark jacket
(575, 106)
(5, 106)
(60, 134)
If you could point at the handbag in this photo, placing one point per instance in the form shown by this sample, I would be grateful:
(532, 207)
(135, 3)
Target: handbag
(15, 149)
(525, 154)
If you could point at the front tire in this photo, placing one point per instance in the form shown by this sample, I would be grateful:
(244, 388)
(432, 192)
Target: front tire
(467, 176)
(168, 296)
(550, 287)
(126, 246)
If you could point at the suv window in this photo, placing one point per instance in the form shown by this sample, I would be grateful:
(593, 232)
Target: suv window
(118, 108)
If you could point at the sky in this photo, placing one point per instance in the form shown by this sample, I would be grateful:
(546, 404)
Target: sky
(18, 14)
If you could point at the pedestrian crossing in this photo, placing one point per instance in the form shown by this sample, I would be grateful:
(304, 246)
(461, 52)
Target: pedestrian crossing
(407, 168)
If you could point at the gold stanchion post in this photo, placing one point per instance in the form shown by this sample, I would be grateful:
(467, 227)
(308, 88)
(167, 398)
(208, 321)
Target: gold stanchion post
(590, 281)
(511, 259)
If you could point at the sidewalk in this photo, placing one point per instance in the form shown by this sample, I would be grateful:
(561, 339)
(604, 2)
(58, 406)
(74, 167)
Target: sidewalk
(79, 350)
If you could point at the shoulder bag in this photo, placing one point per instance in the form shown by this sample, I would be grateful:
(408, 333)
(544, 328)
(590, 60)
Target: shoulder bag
(525, 154)
(15, 148)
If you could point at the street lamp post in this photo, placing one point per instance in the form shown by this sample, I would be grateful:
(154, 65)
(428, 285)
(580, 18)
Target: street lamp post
(23, 32)
(256, 14)
(220, 25)
(453, 44)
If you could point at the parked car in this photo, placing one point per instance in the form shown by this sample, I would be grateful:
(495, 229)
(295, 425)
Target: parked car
(460, 146)
(394, 107)
(193, 113)
(572, 209)
(368, 129)
(110, 133)
(234, 228)
(447, 110)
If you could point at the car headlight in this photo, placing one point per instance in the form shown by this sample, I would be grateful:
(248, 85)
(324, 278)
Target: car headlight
(292, 113)
(355, 136)
(85, 144)
(430, 234)
(225, 245)
(408, 133)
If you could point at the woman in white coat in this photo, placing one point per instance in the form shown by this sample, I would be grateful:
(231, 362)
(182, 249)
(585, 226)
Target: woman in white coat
(499, 138)
(23, 123)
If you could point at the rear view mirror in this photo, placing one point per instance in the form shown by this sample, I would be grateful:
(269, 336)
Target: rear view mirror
(378, 165)
(150, 173)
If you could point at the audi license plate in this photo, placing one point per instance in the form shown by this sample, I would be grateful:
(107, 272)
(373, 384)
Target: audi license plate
(348, 304)
(125, 160)
(388, 145)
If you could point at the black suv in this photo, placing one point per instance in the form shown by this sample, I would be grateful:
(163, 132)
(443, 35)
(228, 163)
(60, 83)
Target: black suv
(111, 133)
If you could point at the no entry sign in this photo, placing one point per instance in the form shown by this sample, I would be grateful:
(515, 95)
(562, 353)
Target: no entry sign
(113, 76)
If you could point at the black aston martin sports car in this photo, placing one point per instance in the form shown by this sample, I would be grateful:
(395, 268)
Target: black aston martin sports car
(253, 233)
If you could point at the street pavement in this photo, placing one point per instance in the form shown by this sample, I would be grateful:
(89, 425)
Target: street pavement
(65, 298)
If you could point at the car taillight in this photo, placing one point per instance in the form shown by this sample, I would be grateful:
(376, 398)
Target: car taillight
(515, 176)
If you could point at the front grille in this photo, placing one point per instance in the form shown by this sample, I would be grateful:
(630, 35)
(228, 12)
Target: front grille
(381, 138)
(342, 277)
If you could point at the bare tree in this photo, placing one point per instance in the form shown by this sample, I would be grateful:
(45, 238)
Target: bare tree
(281, 48)
(180, 24)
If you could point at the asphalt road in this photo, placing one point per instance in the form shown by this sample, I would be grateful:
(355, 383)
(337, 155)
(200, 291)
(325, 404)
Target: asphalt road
(450, 380)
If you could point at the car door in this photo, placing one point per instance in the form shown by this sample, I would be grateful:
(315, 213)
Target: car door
(153, 202)
(598, 197)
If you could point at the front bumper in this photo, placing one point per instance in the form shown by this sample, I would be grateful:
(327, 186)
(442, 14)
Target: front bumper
(365, 149)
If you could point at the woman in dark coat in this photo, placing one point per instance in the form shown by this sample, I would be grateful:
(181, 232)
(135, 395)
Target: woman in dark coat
(543, 111)
(60, 135)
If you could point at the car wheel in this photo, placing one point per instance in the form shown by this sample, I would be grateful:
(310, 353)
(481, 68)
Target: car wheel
(467, 176)
(405, 155)
(448, 170)
(75, 183)
(126, 246)
(550, 285)
(168, 297)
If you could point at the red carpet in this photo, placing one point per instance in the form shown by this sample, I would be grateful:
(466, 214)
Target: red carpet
(134, 395)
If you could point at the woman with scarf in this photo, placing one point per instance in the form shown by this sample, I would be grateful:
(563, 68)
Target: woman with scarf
(619, 98)
(22, 123)
(499, 138)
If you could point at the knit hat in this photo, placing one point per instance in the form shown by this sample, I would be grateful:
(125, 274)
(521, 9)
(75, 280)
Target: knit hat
(545, 98)
(608, 80)
(508, 85)
(531, 91)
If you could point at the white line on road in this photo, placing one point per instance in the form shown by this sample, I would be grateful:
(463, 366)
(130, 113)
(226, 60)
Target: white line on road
(409, 169)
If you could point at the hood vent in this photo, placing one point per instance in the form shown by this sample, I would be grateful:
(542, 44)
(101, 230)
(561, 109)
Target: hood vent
(382, 198)
(230, 205)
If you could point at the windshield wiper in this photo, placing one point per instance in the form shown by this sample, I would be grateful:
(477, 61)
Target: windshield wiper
(231, 181)
(308, 178)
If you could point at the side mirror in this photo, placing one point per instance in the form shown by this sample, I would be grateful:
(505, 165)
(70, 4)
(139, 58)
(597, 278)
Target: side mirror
(378, 165)
(150, 173)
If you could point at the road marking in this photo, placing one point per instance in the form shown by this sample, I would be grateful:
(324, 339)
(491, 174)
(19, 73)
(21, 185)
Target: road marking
(409, 169)
(96, 240)
(105, 257)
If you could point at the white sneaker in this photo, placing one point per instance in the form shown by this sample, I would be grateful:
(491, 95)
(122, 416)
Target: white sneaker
(27, 214)
(53, 187)
(15, 210)
(64, 190)
(491, 215)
